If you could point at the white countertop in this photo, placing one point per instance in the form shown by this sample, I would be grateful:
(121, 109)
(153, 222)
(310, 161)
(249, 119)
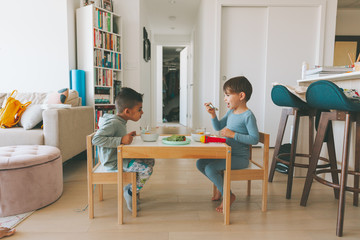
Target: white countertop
(333, 78)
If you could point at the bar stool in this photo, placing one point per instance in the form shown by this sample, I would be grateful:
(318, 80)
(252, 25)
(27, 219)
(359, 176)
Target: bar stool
(325, 94)
(281, 96)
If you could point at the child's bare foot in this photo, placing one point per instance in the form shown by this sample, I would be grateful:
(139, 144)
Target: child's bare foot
(220, 207)
(217, 196)
(5, 232)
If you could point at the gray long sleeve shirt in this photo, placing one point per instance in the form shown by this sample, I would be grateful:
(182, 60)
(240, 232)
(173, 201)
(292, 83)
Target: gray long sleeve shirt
(108, 137)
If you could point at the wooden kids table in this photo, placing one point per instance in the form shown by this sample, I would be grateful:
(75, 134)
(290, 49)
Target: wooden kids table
(140, 149)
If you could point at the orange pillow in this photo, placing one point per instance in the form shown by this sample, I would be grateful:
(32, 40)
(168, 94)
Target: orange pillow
(58, 97)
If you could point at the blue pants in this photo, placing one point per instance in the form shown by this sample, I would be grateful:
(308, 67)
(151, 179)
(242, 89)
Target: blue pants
(213, 169)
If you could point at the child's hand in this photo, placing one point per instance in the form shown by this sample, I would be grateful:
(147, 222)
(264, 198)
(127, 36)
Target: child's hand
(210, 109)
(227, 133)
(128, 138)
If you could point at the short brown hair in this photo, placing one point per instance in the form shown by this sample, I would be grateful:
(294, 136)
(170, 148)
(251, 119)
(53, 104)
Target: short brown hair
(238, 85)
(127, 98)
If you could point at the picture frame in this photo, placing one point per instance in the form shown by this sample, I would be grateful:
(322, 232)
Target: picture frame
(107, 5)
(146, 46)
(344, 45)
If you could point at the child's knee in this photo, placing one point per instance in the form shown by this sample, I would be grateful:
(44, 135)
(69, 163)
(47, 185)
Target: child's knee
(210, 171)
(200, 165)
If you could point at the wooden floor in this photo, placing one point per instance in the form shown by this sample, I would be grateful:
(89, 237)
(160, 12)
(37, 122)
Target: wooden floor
(175, 204)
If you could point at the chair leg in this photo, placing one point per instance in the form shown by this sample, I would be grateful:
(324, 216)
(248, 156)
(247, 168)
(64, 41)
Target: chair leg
(357, 160)
(343, 181)
(249, 187)
(264, 195)
(101, 192)
(133, 184)
(332, 159)
(281, 130)
(91, 200)
(292, 153)
(324, 120)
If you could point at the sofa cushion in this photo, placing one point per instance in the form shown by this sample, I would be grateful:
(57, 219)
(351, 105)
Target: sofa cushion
(58, 97)
(2, 98)
(35, 98)
(20, 136)
(31, 117)
(73, 99)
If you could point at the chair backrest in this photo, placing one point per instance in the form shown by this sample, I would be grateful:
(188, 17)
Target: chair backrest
(91, 152)
(264, 138)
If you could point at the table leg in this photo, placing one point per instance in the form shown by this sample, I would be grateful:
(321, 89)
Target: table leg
(227, 181)
(120, 185)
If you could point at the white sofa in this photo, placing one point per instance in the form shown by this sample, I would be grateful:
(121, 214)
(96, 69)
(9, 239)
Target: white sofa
(64, 128)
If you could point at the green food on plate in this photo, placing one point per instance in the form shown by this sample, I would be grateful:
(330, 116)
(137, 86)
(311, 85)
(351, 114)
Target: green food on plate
(176, 138)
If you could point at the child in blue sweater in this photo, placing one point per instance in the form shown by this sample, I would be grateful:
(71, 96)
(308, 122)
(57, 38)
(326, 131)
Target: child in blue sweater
(240, 129)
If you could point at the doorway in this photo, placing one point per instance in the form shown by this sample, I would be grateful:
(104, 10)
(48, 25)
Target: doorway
(174, 84)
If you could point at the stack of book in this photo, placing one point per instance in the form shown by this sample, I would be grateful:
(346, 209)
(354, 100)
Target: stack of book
(322, 71)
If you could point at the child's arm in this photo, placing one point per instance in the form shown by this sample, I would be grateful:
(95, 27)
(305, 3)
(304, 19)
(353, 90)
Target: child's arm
(210, 109)
(252, 137)
(218, 125)
(104, 137)
(127, 139)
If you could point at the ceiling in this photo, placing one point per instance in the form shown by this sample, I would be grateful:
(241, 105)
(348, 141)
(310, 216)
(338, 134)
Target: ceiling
(177, 17)
(172, 17)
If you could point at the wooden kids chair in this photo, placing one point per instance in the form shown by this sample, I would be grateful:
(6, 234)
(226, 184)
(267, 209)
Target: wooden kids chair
(256, 171)
(97, 175)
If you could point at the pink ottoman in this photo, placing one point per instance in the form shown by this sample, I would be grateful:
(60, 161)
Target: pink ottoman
(31, 177)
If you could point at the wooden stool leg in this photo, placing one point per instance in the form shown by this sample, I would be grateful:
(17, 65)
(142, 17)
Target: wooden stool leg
(279, 138)
(357, 160)
(332, 158)
(324, 120)
(292, 153)
(343, 181)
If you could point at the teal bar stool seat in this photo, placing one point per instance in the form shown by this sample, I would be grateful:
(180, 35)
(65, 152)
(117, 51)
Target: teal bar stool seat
(327, 95)
(283, 154)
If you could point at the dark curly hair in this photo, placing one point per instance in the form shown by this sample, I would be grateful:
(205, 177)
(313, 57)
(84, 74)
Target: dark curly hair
(127, 98)
(238, 85)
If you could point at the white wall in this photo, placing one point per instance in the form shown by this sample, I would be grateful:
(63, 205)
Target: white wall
(204, 64)
(136, 70)
(145, 69)
(347, 22)
(207, 60)
(34, 45)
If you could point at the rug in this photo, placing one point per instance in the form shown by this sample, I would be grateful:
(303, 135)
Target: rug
(13, 221)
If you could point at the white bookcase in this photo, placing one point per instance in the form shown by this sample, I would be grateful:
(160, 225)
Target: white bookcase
(99, 54)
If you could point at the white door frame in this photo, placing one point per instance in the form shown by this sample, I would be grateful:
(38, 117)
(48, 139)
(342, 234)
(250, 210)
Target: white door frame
(158, 82)
(184, 85)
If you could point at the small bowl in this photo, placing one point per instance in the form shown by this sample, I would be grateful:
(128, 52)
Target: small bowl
(149, 137)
